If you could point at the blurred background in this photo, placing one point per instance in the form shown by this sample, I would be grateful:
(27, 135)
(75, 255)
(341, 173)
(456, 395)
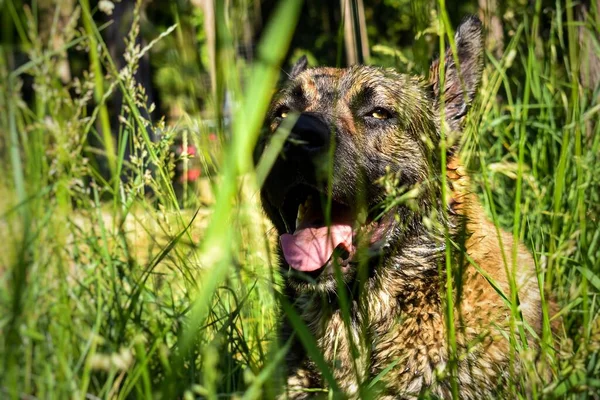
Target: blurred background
(180, 74)
(135, 260)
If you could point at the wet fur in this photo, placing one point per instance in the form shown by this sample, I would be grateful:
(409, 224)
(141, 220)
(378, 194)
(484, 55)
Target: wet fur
(397, 313)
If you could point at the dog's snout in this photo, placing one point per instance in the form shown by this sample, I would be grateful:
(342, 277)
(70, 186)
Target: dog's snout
(309, 136)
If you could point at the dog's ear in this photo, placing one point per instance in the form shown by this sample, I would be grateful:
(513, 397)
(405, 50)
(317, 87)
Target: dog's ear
(300, 66)
(460, 81)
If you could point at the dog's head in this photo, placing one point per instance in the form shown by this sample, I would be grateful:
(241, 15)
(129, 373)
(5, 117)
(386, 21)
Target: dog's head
(357, 173)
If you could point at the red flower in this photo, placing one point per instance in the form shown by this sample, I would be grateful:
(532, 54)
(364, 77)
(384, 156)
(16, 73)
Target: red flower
(192, 175)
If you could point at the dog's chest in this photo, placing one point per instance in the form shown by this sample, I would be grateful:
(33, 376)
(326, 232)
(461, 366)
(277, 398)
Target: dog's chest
(384, 333)
(401, 343)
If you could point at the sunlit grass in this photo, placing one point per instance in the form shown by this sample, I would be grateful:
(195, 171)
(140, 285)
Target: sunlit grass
(110, 289)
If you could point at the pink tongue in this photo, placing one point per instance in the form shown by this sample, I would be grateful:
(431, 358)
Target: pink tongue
(310, 247)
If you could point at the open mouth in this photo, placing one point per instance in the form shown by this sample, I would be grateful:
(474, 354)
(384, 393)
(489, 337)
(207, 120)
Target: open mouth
(319, 234)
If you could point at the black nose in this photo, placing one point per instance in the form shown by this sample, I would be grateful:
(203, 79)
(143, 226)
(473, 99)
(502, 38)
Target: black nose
(309, 136)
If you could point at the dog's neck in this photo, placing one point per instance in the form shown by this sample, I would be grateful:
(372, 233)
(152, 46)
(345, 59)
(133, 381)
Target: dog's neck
(410, 279)
(408, 283)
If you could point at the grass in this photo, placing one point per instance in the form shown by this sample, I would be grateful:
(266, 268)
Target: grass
(109, 289)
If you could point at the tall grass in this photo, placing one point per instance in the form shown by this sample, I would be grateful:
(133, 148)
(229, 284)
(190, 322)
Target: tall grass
(109, 289)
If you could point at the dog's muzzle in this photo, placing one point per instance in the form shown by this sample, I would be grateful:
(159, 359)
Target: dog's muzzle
(310, 137)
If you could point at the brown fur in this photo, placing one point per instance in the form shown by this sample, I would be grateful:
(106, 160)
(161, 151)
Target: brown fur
(396, 302)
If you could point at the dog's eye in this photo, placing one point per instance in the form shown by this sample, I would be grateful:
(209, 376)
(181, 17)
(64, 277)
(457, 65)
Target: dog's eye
(380, 113)
(282, 112)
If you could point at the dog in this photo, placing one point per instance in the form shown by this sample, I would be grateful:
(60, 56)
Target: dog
(356, 198)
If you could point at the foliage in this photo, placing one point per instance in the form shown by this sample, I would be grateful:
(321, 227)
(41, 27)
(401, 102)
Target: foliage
(110, 289)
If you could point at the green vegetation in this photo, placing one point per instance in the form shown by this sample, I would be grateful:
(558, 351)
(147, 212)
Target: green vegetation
(115, 282)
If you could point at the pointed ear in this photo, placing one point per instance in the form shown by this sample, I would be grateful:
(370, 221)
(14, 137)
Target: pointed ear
(298, 67)
(460, 81)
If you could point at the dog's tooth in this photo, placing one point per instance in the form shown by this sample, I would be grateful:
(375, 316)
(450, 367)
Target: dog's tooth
(302, 207)
(308, 201)
(300, 216)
